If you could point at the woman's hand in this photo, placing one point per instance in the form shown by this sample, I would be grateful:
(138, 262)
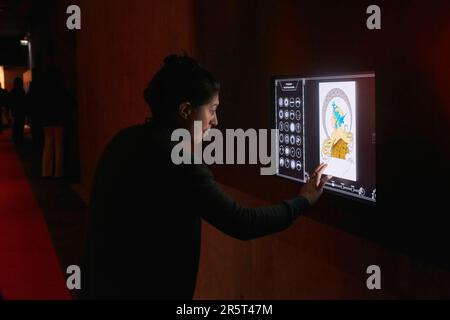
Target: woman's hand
(313, 188)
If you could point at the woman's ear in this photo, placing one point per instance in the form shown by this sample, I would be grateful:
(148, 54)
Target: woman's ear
(185, 110)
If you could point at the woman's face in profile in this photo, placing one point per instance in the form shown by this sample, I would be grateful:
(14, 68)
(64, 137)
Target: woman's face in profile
(207, 114)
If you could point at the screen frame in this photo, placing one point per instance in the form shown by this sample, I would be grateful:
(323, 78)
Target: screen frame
(328, 76)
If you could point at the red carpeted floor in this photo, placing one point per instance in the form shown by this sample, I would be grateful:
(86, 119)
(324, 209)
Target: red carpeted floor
(29, 267)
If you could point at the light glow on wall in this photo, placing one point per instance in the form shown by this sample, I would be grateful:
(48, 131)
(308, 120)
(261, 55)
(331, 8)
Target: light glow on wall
(2, 77)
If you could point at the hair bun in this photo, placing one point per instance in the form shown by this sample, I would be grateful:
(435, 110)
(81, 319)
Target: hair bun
(171, 59)
(174, 60)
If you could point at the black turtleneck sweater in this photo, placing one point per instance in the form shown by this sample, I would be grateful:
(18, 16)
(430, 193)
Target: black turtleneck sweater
(144, 239)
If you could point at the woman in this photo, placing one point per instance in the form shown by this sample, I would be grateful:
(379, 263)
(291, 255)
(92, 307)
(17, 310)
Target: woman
(144, 240)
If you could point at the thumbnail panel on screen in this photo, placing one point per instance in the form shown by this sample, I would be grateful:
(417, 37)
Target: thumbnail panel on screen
(332, 120)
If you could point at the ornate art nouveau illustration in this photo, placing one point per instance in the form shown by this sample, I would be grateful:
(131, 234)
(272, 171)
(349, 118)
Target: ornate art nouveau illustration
(337, 104)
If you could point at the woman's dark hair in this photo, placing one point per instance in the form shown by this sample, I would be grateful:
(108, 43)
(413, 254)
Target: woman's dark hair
(181, 79)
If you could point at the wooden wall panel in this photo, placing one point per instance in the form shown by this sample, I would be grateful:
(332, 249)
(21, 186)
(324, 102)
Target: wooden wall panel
(309, 261)
(120, 46)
